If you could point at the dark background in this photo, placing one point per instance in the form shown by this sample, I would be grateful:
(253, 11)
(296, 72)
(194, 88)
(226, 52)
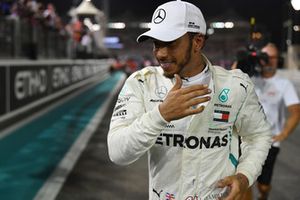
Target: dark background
(269, 14)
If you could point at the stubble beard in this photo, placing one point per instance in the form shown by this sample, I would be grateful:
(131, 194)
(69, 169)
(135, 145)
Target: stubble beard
(181, 65)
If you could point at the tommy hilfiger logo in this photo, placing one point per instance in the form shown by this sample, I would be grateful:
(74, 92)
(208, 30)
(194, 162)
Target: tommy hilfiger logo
(221, 116)
(170, 196)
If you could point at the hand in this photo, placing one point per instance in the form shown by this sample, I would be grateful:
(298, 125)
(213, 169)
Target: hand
(237, 184)
(181, 102)
(278, 138)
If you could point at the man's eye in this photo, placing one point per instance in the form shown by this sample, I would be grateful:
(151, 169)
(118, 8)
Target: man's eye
(164, 44)
(156, 45)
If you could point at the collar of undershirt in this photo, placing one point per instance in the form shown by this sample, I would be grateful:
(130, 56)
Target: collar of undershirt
(199, 76)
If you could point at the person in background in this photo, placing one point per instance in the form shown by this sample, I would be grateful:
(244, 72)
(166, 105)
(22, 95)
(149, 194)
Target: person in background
(276, 95)
(186, 115)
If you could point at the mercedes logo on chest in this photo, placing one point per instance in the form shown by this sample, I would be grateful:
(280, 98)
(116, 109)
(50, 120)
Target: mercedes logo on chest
(161, 91)
(159, 16)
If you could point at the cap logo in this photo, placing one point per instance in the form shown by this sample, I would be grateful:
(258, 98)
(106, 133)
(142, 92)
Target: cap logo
(159, 16)
(193, 25)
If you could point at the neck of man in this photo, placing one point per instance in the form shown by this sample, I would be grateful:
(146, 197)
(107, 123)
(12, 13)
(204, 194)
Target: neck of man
(268, 74)
(192, 69)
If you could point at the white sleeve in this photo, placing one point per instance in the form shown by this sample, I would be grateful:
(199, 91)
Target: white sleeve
(290, 95)
(255, 131)
(132, 130)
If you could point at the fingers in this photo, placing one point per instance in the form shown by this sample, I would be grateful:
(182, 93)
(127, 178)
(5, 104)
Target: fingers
(198, 93)
(277, 138)
(280, 137)
(193, 88)
(227, 182)
(237, 188)
(193, 110)
(193, 99)
(178, 82)
(181, 102)
(223, 182)
(196, 101)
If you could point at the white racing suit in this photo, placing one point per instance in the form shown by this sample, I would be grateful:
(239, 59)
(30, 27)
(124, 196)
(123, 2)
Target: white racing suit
(188, 156)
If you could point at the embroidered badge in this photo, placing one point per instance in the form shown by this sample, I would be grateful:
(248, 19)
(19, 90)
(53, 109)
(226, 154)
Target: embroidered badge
(221, 116)
(170, 196)
(223, 97)
(161, 92)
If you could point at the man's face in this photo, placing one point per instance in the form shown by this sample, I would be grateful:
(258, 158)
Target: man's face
(272, 52)
(175, 57)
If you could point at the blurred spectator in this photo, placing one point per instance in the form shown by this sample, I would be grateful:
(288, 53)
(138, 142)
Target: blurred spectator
(86, 45)
(74, 29)
(14, 14)
(50, 15)
(148, 61)
(32, 6)
(77, 29)
(130, 66)
(117, 65)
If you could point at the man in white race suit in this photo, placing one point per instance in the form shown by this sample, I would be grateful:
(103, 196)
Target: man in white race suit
(187, 114)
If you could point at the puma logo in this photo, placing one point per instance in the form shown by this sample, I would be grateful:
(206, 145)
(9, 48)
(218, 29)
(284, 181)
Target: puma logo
(157, 193)
(241, 84)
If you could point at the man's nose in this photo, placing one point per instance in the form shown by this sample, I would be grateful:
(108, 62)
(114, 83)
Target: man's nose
(162, 52)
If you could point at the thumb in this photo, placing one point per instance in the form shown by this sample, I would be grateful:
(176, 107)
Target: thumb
(224, 182)
(178, 82)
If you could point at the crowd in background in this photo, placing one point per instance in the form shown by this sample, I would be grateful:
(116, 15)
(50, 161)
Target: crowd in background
(130, 64)
(39, 16)
(34, 12)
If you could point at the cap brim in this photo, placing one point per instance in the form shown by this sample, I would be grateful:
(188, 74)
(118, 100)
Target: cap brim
(161, 35)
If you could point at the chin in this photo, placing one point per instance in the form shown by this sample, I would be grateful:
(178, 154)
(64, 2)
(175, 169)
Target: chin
(169, 75)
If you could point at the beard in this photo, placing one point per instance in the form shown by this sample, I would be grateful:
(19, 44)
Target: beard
(181, 65)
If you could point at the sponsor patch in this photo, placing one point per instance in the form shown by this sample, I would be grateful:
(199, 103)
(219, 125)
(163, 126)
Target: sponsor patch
(192, 142)
(156, 192)
(221, 116)
(193, 25)
(216, 130)
(223, 97)
(119, 107)
(170, 196)
(120, 113)
(161, 92)
(156, 100)
(123, 99)
(170, 126)
(222, 105)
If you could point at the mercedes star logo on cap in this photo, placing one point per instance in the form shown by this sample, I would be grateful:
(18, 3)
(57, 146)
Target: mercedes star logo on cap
(159, 16)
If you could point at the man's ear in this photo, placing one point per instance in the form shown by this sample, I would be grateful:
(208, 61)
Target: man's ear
(199, 41)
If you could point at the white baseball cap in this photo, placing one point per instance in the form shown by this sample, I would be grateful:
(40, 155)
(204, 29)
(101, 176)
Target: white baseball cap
(172, 20)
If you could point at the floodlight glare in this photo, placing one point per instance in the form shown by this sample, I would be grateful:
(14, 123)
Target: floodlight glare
(296, 4)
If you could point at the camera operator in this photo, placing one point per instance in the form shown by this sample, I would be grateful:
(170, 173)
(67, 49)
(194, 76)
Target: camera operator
(276, 95)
